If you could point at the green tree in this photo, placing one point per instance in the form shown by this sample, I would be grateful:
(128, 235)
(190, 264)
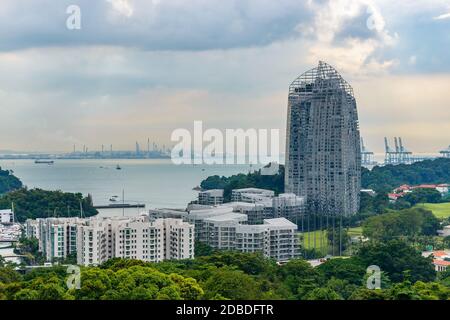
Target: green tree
(338, 239)
(398, 259)
(405, 223)
(27, 294)
(202, 249)
(422, 195)
(38, 203)
(231, 284)
(9, 275)
(367, 294)
(323, 294)
(8, 182)
(300, 278)
(351, 270)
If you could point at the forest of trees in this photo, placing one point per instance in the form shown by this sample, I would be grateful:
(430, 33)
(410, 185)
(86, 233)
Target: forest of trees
(38, 203)
(408, 223)
(8, 181)
(231, 275)
(391, 176)
(250, 180)
(380, 178)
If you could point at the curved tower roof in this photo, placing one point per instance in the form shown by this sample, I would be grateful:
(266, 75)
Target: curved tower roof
(323, 76)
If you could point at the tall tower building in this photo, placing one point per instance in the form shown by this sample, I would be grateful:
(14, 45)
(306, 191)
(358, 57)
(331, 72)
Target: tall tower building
(323, 156)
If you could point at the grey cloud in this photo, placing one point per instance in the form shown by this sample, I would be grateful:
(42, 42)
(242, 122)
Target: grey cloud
(154, 25)
(356, 28)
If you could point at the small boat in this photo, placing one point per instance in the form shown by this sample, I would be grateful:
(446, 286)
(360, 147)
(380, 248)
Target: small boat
(118, 167)
(44, 161)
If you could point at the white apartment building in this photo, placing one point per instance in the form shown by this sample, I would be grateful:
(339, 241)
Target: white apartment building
(289, 206)
(251, 194)
(6, 216)
(155, 241)
(276, 238)
(226, 227)
(95, 240)
(211, 197)
(32, 228)
(219, 231)
(256, 212)
(57, 236)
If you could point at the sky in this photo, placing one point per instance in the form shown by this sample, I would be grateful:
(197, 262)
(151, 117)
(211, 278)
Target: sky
(143, 68)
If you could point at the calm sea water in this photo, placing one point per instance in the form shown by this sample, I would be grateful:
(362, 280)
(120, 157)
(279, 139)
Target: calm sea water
(153, 182)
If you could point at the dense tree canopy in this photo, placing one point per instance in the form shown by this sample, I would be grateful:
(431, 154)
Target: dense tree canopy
(233, 275)
(38, 203)
(379, 178)
(391, 176)
(421, 195)
(403, 223)
(8, 181)
(250, 180)
(399, 260)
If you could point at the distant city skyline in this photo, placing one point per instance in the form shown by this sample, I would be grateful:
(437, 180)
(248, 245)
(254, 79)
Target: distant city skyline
(136, 70)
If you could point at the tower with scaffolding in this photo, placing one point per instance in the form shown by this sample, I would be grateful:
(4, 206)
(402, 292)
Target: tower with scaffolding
(367, 157)
(399, 155)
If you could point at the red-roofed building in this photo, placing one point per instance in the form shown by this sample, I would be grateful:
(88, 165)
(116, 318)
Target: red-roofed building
(394, 196)
(404, 189)
(441, 259)
(441, 265)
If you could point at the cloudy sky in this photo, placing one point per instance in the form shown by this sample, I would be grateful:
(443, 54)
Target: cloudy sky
(142, 68)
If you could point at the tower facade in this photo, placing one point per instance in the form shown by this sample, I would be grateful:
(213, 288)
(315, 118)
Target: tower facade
(323, 155)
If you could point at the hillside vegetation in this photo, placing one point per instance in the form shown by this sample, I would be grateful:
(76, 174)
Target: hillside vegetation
(8, 181)
(38, 203)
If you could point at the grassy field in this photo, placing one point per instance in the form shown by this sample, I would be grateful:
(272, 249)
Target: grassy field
(440, 210)
(308, 240)
(355, 232)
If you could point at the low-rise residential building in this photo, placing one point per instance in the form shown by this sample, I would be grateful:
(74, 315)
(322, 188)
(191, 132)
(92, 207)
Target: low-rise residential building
(275, 238)
(405, 189)
(31, 228)
(243, 227)
(250, 194)
(6, 216)
(219, 231)
(441, 259)
(289, 206)
(210, 197)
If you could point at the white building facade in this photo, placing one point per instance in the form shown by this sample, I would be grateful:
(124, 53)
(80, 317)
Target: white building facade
(95, 240)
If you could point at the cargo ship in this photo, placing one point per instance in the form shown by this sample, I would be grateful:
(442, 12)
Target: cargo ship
(44, 161)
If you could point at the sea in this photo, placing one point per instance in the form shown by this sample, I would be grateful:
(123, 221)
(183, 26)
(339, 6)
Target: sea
(157, 183)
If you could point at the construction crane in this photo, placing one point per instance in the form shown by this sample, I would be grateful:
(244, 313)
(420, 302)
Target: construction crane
(400, 155)
(366, 155)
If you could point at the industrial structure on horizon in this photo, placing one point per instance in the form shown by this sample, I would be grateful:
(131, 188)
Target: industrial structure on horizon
(367, 157)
